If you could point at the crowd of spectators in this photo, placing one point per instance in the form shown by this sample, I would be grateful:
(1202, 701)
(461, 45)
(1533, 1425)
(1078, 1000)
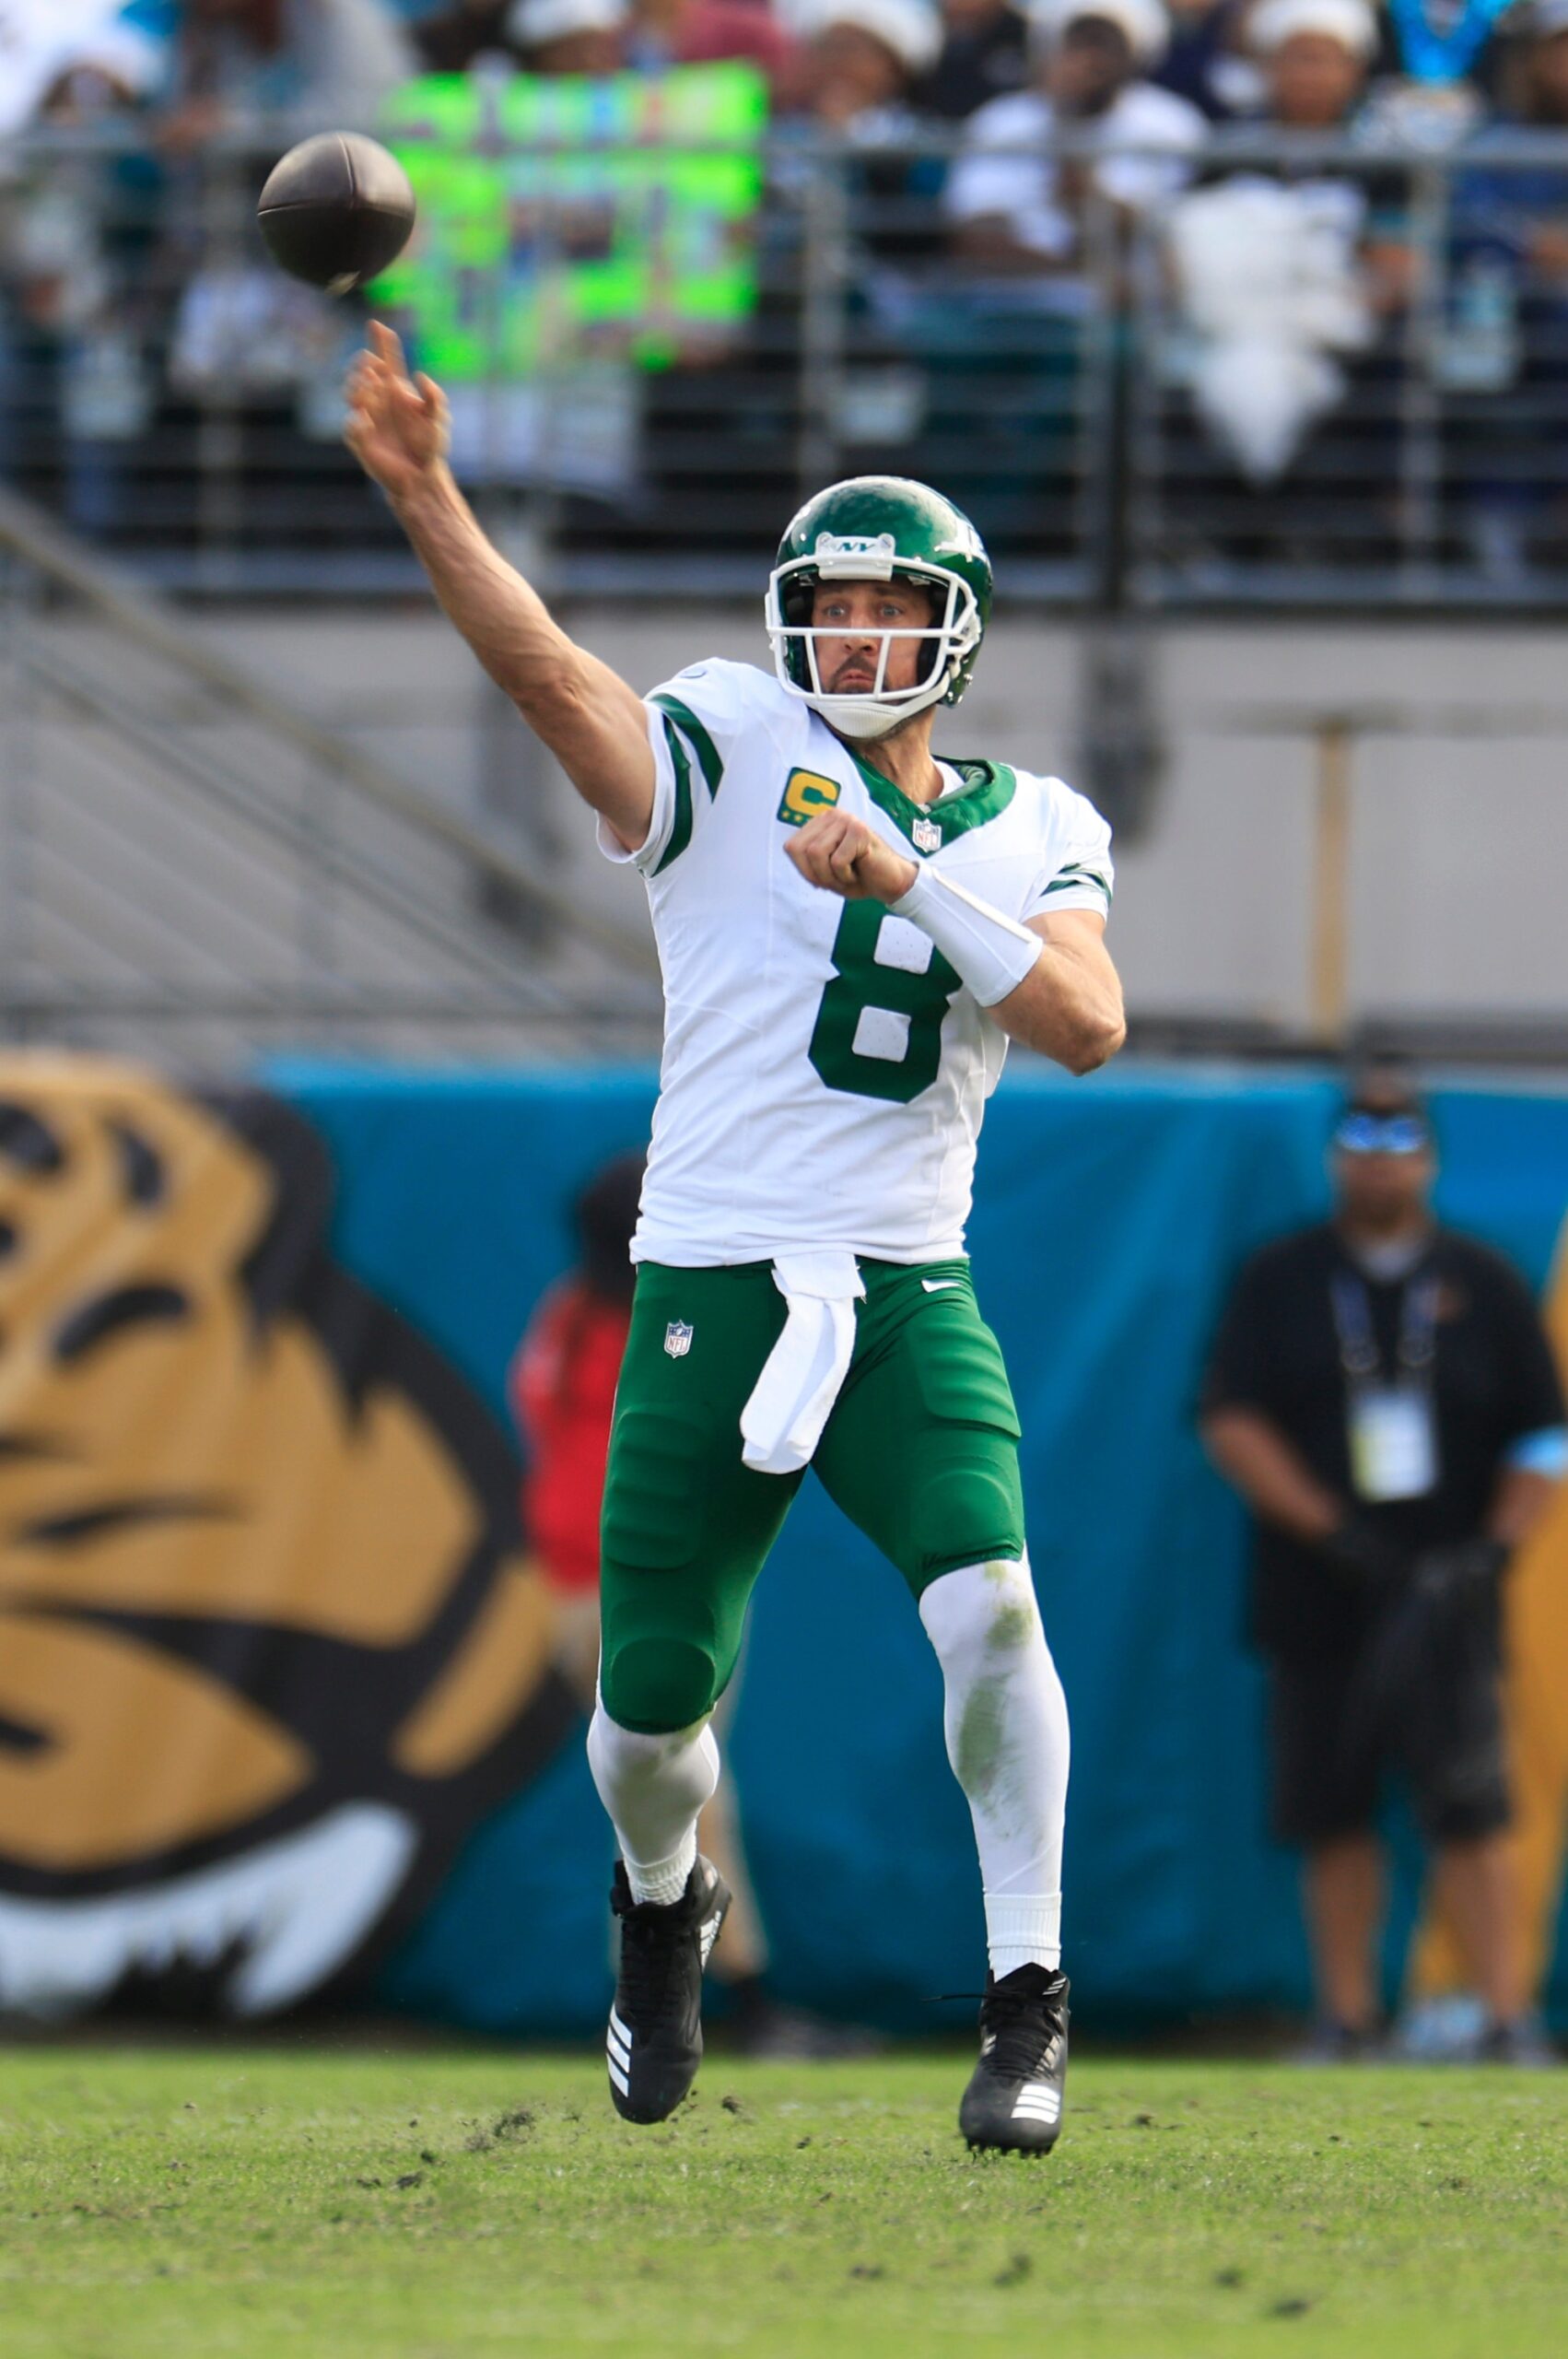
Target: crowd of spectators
(1049, 132)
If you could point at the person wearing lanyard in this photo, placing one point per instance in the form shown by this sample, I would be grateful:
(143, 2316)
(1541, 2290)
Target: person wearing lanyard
(1382, 1395)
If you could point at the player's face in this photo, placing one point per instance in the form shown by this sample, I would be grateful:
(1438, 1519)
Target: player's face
(857, 614)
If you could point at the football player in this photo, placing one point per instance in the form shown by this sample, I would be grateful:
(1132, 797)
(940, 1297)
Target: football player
(850, 931)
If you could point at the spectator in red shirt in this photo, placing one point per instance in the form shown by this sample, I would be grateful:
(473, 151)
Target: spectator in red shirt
(563, 1395)
(562, 1389)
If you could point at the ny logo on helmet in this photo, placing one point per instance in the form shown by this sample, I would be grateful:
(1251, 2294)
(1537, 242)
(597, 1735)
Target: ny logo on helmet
(859, 556)
(678, 1339)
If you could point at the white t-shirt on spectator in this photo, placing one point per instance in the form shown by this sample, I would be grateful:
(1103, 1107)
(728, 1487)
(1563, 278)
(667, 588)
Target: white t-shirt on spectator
(42, 40)
(1022, 187)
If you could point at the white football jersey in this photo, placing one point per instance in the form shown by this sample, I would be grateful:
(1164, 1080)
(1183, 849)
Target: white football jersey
(824, 1071)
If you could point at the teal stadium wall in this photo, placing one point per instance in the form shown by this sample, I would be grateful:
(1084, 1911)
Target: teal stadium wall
(1109, 1216)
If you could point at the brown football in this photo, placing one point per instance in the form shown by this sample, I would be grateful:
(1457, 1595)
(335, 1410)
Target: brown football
(337, 211)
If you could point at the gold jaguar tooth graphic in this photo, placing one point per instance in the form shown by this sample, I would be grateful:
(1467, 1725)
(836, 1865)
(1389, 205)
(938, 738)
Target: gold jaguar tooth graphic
(258, 1564)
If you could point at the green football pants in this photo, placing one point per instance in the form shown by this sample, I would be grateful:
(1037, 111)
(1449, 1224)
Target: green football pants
(921, 1451)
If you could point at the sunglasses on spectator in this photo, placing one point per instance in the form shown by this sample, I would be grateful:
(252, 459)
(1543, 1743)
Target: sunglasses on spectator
(1381, 1134)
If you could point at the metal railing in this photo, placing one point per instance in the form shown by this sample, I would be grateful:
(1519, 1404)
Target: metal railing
(183, 847)
(1437, 475)
(171, 397)
(188, 411)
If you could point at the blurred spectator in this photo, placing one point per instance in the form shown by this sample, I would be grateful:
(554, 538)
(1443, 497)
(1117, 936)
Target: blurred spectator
(62, 56)
(449, 39)
(1506, 337)
(1434, 70)
(1534, 85)
(649, 35)
(1315, 56)
(863, 59)
(1383, 1397)
(1034, 256)
(563, 1388)
(1208, 60)
(1279, 274)
(319, 62)
(1522, 215)
(74, 382)
(859, 63)
(568, 36)
(710, 32)
(242, 334)
(985, 54)
(1022, 216)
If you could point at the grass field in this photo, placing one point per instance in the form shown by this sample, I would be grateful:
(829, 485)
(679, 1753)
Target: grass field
(165, 2204)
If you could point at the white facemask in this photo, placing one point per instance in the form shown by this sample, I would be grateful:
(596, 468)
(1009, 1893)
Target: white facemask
(868, 714)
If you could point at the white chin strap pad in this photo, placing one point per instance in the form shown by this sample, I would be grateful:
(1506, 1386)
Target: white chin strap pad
(864, 718)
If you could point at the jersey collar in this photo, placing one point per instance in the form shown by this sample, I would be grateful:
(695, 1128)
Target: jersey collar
(988, 789)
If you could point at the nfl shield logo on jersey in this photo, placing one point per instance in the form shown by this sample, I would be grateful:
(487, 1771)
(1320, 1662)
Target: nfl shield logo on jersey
(677, 1338)
(926, 835)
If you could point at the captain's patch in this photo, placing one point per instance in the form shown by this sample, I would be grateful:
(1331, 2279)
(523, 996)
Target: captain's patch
(805, 794)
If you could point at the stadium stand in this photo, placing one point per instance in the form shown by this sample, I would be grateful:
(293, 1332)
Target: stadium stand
(939, 270)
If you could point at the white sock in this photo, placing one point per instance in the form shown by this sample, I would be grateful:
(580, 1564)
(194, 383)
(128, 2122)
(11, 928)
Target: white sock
(1007, 1738)
(654, 1787)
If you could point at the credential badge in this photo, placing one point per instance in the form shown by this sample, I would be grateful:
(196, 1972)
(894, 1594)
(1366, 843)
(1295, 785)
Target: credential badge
(926, 835)
(678, 1339)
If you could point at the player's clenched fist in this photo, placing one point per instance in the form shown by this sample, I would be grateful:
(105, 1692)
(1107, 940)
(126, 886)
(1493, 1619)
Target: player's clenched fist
(843, 855)
(399, 428)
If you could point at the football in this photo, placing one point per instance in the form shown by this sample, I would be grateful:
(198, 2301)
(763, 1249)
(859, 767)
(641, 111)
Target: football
(337, 211)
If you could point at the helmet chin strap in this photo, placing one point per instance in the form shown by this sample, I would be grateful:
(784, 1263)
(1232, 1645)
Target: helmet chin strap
(864, 720)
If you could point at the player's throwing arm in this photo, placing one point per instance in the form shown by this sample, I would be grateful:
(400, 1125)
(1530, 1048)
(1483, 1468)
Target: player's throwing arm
(596, 726)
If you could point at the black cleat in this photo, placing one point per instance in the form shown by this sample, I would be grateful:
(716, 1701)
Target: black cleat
(1014, 2099)
(654, 2044)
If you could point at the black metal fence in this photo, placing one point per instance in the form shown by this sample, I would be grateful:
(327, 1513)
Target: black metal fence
(170, 397)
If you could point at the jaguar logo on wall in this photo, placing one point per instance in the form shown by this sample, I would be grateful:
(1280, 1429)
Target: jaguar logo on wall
(267, 1645)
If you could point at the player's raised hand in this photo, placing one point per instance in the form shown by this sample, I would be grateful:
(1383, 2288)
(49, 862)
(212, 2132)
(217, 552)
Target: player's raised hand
(843, 855)
(399, 427)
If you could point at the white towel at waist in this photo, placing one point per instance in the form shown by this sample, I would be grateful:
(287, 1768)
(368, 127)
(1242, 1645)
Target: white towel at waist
(782, 1422)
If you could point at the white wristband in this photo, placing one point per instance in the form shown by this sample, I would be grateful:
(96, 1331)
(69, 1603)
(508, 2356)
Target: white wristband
(991, 953)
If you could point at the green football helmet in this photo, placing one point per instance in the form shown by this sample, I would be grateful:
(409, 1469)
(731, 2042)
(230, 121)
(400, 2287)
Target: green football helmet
(880, 528)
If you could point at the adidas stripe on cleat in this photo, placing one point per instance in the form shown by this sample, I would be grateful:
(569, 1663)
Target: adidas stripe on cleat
(1013, 2102)
(618, 2049)
(653, 2043)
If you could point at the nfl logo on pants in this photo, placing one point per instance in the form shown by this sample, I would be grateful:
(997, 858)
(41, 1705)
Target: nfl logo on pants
(677, 1338)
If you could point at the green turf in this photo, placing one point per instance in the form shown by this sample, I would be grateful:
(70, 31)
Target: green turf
(168, 2204)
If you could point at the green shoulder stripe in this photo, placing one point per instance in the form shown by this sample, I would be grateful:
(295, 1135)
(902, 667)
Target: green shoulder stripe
(681, 833)
(702, 743)
(1070, 879)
